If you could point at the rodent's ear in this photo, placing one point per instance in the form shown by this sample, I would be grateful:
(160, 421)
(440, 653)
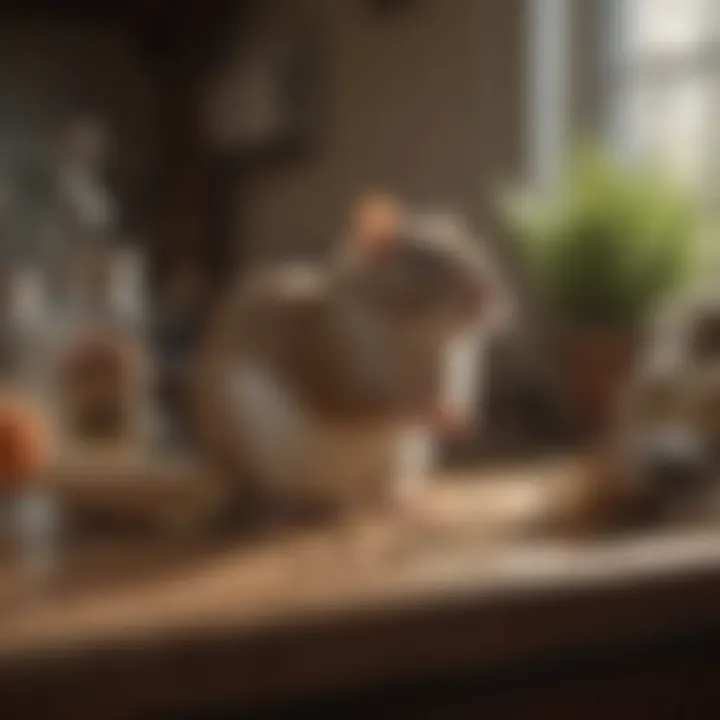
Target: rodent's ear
(376, 220)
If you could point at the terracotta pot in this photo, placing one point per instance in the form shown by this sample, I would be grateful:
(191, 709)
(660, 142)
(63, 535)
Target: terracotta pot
(595, 363)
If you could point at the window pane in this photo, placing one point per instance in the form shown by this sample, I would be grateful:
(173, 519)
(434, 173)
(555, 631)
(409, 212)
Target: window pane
(669, 26)
(671, 123)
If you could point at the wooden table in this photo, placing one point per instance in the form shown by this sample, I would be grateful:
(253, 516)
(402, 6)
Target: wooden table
(325, 612)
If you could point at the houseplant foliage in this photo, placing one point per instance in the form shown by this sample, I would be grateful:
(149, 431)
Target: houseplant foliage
(612, 242)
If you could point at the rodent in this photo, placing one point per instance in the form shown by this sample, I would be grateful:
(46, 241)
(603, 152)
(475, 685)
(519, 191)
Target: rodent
(308, 375)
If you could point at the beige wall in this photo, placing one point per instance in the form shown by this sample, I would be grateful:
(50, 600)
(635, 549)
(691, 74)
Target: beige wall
(426, 101)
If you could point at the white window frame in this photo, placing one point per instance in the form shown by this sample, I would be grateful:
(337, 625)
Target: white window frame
(548, 88)
(621, 71)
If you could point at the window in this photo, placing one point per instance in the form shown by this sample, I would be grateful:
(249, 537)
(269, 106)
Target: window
(664, 65)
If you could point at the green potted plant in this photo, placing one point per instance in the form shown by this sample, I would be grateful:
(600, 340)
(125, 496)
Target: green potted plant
(611, 243)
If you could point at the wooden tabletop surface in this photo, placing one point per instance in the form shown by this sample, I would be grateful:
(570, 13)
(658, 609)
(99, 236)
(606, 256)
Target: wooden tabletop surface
(347, 606)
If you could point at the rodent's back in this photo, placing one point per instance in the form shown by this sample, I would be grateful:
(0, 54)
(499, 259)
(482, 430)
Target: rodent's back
(295, 325)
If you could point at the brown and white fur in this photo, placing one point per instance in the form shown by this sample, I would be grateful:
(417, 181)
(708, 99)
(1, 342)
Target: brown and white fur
(327, 383)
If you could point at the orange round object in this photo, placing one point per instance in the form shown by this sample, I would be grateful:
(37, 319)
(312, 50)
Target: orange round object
(24, 444)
